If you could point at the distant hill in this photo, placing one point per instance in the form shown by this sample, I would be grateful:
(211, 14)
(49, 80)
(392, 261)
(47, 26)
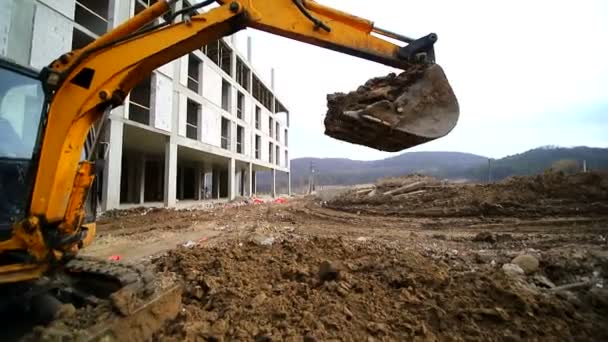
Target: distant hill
(346, 171)
(451, 165)
(339, 171)
(540, 159)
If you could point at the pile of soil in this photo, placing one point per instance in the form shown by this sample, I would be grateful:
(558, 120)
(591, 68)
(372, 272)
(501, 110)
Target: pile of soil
(395, 112)
(315, 289)
(551, 193)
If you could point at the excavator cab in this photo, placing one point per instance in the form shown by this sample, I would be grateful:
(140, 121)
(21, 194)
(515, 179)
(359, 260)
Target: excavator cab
(22, 101)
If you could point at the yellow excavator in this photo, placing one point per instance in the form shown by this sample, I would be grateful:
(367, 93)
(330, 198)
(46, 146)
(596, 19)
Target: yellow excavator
(45, 119)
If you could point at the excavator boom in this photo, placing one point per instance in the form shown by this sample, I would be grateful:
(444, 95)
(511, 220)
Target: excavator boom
(81, 87)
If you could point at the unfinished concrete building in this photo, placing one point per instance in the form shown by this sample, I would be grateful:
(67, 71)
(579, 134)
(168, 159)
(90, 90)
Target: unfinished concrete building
(198, 128)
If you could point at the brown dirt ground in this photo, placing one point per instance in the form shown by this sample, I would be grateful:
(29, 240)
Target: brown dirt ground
(304, 272)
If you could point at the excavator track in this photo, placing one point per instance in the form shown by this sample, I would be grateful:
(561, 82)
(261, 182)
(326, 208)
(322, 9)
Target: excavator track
(134, 278)
(125, 303)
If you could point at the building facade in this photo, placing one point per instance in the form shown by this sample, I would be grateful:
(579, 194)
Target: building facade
(198, 128)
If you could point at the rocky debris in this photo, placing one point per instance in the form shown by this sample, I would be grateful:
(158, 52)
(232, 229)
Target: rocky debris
(599, 298)
(581, 285)
(263, 240)
(65, 311)
(513, 270)
(528, 263)
(542, 281)
(439, 236)
(328, 271)
(571, 298)
(485, 237)
(296, 290)
(124, 301)
(406, 188)
(549, 194)
(483, 257)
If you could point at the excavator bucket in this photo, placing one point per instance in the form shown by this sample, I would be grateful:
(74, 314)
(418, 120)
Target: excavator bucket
(395, 112)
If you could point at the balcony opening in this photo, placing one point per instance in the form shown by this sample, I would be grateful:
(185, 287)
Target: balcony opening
(80, 38)
(277, 132)
(225, 134)
(242, 74)
(270, 126)
(262, 94)
(286, 138)
(278, 107)
(193, 110)
(92, 15)
(194, 73)
(220, 53)
(240, 106)
(258, 118)
(240, 139)
(258, 145)
(226, 98)
(139, 102)
(278, 155)
(270, 152)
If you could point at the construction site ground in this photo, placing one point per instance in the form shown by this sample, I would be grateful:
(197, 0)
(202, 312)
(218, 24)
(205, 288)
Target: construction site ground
(356, 270)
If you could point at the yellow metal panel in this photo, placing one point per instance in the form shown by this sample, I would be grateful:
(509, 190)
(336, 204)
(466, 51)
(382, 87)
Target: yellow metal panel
(17, 273)
(91, 232)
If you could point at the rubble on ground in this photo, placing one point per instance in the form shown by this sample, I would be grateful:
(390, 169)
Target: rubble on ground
(292, 291)
(547, 194)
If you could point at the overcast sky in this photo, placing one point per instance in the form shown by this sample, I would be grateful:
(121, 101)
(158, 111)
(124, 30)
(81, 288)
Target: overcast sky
(526, 73)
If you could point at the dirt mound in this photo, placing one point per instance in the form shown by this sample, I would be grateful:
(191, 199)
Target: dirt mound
(542, 195)
(330, 288)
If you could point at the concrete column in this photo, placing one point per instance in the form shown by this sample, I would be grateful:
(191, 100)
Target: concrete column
(120, 11)
(181, 182)
(231, 180)
(208, 183)
(233, 134)
(289, 183)
(216, 183)
(198, 183)
(273, 185)
(142, 179)
(249, 48)
(272, 80)
(248, 180)
(110, 195)
(170, 173)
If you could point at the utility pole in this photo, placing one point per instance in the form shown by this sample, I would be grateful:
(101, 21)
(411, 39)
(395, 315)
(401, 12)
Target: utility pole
(311, 178)
(585, 165)
(489, 170)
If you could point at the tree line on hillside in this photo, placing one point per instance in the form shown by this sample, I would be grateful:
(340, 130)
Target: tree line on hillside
(541, 159)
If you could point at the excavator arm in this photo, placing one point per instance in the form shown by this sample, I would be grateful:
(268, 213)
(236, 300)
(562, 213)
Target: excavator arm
(84, 85)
